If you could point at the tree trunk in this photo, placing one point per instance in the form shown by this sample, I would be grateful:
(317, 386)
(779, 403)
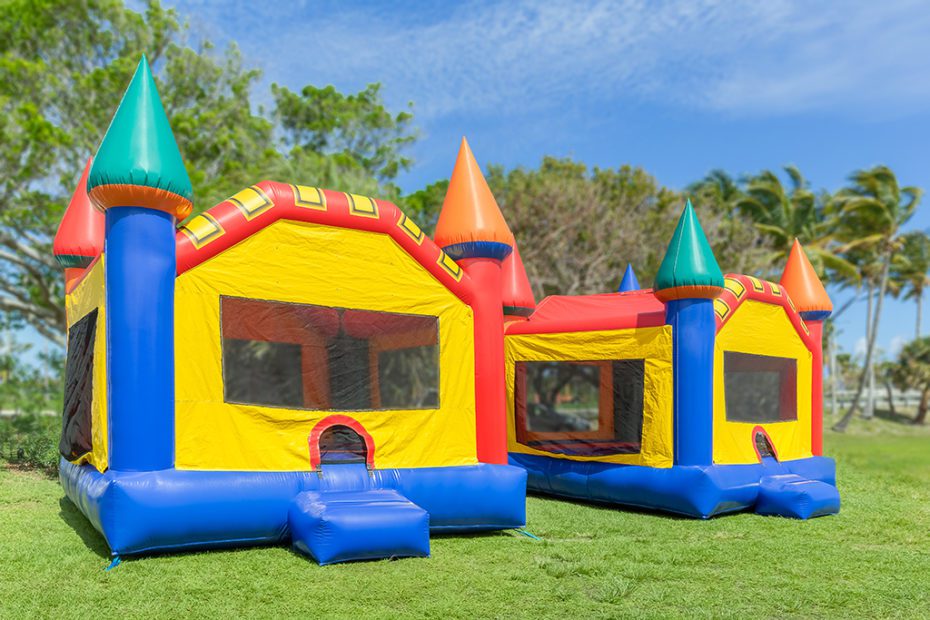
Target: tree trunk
(890, 395)
(869, 409)
(920, 303)
(922, 407)
(870, 346)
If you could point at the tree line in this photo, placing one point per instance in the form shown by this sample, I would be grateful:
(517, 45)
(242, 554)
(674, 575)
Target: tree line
(63, 63)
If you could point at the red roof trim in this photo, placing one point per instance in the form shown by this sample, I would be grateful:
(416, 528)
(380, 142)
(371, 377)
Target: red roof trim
(738, 288)
(581, 313)
(235, 219)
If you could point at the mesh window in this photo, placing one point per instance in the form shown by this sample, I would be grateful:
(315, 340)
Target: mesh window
(760, 388)
(302, 356)
(76, 431)
(580, 408)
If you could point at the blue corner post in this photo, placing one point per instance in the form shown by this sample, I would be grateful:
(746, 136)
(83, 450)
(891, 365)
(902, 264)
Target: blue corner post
(138, 178)
(693, 333)
(140, 274)
(688, 281)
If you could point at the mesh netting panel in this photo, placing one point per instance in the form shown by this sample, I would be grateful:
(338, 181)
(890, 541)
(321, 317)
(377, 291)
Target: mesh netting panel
(76, 420)
(760, 388)
(580, 408)
(303, 356)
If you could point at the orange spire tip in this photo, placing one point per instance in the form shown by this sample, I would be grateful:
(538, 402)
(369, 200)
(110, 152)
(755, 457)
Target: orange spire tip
(80, 235)
(471, 224)
(517, 293)
(804, 287)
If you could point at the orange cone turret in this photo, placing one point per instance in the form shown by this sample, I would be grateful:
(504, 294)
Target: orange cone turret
(804, 287)
(471, 224)
(517, 293)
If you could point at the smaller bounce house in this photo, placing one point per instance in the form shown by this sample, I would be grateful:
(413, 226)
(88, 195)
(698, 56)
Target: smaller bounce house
(294, 365)
(700, 397)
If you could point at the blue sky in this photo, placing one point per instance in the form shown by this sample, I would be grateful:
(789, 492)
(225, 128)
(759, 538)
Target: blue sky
(679, 88)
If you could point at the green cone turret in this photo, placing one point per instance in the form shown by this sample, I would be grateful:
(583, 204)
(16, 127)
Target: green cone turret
(689, 269)
(138, 163)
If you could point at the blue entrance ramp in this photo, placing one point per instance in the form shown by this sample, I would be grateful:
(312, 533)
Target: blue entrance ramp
(340, 526)
(787, 494)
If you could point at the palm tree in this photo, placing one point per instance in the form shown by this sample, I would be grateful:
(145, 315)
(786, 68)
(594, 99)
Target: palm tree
(784, 215)
(913, 371)
(871, 213)
(910, 269)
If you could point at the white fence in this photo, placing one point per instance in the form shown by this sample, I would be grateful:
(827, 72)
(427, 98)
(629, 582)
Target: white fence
(903, 399)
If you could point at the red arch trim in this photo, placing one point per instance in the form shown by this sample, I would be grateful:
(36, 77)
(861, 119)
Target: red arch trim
(313, 441)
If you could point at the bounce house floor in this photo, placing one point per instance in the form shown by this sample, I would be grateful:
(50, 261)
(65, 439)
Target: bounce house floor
(336, 514)
(800, 489)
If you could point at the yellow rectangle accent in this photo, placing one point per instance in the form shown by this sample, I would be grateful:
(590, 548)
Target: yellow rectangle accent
(362, 206)
(307, 197)
(652, 344)
(90, 293)
(203, 229)
(446, 262)
(762, 329)
(756, 284)
(251, 202)
(299, 262)
(721, 308)
(735, 286)
(410, 227)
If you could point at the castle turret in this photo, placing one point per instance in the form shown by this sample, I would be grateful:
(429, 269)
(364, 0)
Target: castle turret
(629, 281)
(518, 298)
(79, 240)
(139, 180)
(813, 304)
(688, 281)
(471, 229)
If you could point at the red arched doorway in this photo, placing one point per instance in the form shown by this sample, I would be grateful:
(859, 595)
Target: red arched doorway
(339, 439)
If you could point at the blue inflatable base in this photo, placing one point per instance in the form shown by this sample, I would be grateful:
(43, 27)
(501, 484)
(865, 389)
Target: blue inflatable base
(172, 510)
(693, 491)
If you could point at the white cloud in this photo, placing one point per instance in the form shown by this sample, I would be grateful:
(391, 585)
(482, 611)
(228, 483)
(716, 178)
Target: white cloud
(897, 343)
(744, 57)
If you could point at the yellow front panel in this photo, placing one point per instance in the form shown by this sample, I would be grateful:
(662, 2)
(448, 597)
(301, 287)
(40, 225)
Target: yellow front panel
(652, 344)
(314, 264)
(762, 329)
(87, 295)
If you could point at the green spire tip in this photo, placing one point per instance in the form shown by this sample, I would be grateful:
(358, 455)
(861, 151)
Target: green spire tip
(689, 262)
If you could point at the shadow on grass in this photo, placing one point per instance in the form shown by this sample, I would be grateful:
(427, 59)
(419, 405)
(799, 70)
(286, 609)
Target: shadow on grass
(91, 538)
(616, 507)
(898, 418)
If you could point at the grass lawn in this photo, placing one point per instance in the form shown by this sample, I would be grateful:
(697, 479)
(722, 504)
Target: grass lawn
(872, 560)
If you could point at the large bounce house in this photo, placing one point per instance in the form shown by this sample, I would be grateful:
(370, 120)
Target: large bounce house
(304, 366)
(294, 365)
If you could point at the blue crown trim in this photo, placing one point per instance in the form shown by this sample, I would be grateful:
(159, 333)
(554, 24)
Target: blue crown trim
(479, 249)
(815, 315)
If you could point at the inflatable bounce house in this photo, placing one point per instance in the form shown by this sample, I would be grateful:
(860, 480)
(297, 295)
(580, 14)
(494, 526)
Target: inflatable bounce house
(700, 397)
(307, 366)
(294, 365)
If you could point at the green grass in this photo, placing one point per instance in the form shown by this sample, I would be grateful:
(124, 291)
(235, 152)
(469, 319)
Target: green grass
(872, 560)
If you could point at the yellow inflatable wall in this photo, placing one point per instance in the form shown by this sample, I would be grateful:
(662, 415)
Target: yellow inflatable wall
(307, 263)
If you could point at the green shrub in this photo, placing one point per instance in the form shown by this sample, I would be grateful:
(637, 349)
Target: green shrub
(31, 441)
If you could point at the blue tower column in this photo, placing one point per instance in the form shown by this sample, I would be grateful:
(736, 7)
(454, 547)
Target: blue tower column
(138, 179)
(688, 281)
(140, 277)
(693, 334)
